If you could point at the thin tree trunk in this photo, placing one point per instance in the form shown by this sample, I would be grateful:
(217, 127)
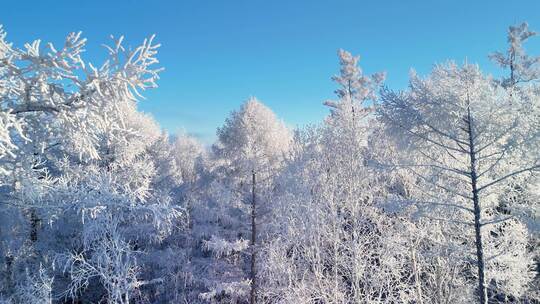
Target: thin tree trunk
(34, 225)
(416, 277)
(482, 292)
(9, 272)
(253, 299)
(351, 100)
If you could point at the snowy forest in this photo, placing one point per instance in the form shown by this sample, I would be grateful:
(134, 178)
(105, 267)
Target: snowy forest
(423, 194)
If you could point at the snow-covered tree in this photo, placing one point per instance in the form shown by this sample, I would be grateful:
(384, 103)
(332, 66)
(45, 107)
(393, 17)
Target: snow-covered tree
(333, 242)
(524, 72)
(60, 104)
(249, 151)
(468, 135)
(429, 195)
(75, 150)
(133, 183)
(523, 68)
(175, 259)
(355, 89)
(107, 257)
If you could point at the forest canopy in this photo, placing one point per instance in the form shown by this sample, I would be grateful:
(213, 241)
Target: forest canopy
(427, 194)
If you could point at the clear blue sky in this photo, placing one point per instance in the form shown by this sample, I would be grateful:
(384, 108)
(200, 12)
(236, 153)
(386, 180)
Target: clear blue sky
(218, 53)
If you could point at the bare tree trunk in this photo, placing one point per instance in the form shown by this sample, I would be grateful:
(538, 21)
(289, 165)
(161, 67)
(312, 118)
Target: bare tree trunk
(253, 299)
(349, 89)
(512, 69)
(9, 273)
(34, 225)
(482, 292)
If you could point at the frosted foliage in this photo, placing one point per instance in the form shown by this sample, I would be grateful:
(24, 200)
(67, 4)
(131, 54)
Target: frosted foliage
(338, 246)
(252, 144)
(81, 164)
(252, 138)
(423, 196)
(58, 93)
(461, 128)
(188, 152)
(523, 68)
(355, 90)
(34, 288)
(107, 257)
(221, 247)
(8, 124)
(510, 263)
(235, 292)
(353, 83)
(430, 116)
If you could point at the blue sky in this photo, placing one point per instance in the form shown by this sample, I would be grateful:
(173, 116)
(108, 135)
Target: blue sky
(218, 53)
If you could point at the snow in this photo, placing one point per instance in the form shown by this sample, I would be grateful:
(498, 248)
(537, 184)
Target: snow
(425, 195)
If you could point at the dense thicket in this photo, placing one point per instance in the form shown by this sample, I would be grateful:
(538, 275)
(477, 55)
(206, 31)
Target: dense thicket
(424, 195)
